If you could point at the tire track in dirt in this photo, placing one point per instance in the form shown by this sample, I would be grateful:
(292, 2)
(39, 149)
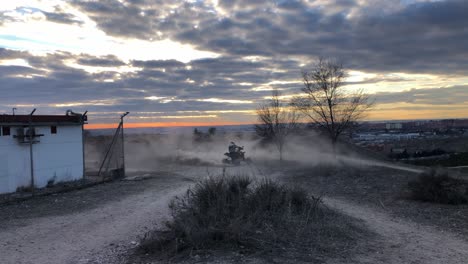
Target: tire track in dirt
(402, 241)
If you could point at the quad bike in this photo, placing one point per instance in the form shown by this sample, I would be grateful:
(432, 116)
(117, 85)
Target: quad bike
(235, 157)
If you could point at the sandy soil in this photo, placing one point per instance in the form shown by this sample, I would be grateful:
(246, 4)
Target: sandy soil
(100, 224)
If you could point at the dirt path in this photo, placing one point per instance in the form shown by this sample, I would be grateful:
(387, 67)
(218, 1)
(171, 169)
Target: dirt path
(89, 235)
(402, 241)
(97, 224)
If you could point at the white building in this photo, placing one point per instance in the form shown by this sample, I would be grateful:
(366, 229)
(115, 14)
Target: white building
(56, 147)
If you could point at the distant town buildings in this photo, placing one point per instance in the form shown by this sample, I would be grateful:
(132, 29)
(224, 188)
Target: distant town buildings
(417, 126)
(393, 126)
(394, 137)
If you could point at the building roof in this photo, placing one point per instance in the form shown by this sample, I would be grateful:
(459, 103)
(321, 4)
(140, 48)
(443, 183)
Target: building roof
(42, 119)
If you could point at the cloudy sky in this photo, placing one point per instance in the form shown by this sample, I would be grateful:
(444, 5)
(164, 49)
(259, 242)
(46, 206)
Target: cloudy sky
(212, 62)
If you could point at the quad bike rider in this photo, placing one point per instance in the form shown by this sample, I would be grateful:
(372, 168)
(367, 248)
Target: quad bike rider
(235, 154)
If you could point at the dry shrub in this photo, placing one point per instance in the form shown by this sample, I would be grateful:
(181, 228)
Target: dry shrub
(437, 187)
(255, 216)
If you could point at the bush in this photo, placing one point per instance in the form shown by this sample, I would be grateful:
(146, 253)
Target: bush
(237, 211)
(438, 187)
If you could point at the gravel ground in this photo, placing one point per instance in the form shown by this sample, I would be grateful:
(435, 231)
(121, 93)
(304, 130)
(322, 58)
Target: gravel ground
(103, 223)
(410, 231)
(99, 224)
(384, 189)
(402, 241)
(86, 226)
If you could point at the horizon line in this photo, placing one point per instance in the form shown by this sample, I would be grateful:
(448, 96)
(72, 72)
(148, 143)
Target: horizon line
(218, 124)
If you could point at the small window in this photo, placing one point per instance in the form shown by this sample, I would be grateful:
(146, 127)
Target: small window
(6, 130)
(53, 129)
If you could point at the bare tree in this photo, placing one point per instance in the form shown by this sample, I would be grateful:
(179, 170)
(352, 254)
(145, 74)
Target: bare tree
(327, 103)
(277, 121)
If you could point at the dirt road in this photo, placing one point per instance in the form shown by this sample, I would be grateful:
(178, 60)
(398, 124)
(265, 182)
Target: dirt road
(402, 241)
(98, 224)
(86, 226)
(93, 225)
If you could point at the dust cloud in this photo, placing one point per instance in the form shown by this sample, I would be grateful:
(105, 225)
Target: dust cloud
(147, 152)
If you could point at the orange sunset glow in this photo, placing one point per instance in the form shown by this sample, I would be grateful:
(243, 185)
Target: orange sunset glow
(164, 124)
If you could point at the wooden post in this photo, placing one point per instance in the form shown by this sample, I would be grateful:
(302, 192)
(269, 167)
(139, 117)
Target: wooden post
(30, 135)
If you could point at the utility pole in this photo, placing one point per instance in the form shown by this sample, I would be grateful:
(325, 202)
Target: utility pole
(83, 120)
(123, 142)
(13, 109)
(31, 138)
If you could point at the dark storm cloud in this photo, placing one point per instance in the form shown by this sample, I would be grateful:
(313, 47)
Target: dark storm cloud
(54, 80)
(170, 107)
(205, 78)
(179, 86)
(104, 61)
(158, 63)
(51, 81)
(6, 54)
(200, 78)
(128, 19)
(433, 96)
(421, 37)
(258, 42)
(17, 70)
(59, 16)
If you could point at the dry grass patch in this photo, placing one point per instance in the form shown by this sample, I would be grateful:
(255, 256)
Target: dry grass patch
(252, 217)
(438, 187)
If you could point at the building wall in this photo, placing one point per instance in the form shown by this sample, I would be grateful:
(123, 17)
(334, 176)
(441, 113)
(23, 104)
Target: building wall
(57, 157)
